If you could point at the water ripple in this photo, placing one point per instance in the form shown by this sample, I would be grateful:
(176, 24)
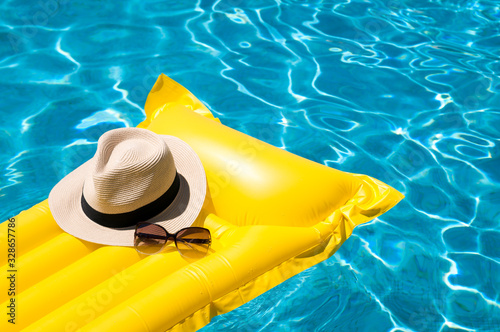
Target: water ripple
(405, 91)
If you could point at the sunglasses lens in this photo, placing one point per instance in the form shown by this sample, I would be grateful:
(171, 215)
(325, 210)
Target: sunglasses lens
(193, 242)
(149, 238)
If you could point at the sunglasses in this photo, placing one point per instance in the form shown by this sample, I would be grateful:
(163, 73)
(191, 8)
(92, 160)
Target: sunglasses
(191, 242)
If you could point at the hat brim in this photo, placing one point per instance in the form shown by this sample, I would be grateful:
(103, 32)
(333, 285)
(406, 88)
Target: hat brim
(66, 208)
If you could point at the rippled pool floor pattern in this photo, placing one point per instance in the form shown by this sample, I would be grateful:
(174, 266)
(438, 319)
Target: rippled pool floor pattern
(405, 91)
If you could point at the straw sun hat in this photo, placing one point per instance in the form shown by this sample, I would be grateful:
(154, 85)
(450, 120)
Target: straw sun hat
(135, 175)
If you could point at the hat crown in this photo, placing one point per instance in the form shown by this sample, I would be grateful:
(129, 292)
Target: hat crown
(133, 167)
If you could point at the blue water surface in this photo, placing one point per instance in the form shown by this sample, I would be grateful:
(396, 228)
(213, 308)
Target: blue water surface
(405, 91)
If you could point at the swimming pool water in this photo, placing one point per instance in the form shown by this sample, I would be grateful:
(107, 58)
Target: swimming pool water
(404, 91)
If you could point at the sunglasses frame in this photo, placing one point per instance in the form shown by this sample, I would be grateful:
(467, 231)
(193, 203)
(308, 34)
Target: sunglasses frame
(169, 237)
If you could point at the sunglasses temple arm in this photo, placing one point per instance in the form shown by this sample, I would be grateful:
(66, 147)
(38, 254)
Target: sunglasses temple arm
(202, 241)
(153, 236)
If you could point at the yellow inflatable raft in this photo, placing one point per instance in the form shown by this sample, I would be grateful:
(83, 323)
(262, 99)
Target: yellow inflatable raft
(271, 213)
